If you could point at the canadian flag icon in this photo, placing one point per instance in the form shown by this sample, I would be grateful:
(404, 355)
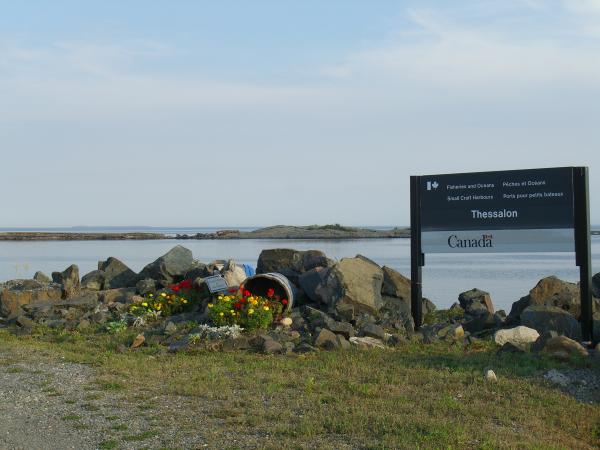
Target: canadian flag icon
(432, 185)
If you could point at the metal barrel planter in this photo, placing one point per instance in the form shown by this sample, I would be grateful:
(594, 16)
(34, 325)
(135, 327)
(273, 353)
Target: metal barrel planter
(261, 283)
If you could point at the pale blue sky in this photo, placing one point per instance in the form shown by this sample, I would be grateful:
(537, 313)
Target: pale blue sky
(205, 113)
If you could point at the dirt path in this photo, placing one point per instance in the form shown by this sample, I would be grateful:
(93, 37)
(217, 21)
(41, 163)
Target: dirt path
(61, 405)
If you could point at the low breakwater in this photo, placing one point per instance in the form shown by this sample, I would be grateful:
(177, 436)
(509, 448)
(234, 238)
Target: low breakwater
(275, 232)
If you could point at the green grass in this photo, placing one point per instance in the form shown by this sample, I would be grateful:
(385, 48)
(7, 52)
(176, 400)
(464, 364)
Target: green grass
(141, 436)
(72, 417)
(415, 396)
(109, 445)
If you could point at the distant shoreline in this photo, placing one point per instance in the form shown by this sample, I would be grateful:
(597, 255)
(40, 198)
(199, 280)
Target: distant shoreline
(283, 232)
(275, 232)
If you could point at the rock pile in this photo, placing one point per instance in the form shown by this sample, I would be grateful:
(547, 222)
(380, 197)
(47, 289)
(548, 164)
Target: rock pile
(338, 304)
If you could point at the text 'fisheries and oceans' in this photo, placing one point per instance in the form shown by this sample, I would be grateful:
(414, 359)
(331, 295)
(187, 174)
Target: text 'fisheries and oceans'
(453, 187)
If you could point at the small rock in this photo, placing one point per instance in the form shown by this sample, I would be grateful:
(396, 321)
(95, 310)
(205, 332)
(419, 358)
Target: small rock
(117, 274)
(304, 348)
(170, 328)
(561, 346)
(42, 278)
(239, 343)
(374, 331)
(83, 324)
(540, 342)
(475, 302)
(287, 321)
(294, 335)
(181, 344)
(555, 377)
(519, 336)
(271, 346)
(452, 332)
(146, 286)
(326, 339)
(509, 347)
(344, 328)
(367, 342)
(25, 322)
(93, 281)
(490, 376)
(69, 279)
(139, 340)
(342, 342)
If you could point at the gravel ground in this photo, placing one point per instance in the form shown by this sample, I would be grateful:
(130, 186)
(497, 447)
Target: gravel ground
(60, 405)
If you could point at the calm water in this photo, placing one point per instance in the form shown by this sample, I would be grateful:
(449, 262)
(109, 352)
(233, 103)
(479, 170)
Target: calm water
(506, 276)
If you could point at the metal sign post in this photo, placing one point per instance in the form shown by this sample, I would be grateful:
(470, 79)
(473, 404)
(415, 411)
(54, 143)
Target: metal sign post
(583, 249)
(417, 259)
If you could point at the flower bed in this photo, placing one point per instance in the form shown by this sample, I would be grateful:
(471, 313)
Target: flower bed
(251, 312)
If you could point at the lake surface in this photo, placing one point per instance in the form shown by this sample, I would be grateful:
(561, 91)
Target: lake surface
(506, 276)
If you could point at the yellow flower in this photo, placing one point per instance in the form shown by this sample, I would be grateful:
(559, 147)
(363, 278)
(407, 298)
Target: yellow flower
(163, 294)
(231, 311)
(220, 297)
(158, 306)
(221, 314)
(250, 311)
(150, 295)
(210, 305)
(266, 308)
(184, 300)
(144, 304)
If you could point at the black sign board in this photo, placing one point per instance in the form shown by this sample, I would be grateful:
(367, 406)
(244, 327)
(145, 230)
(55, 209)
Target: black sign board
(509, 200)
(489, 207)
(216, 283)
(535, 210)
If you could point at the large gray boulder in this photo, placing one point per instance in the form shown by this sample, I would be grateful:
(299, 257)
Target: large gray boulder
(552, 291)
(476, 302)
(395, 284)
(550, 318)
(93, 281)
(16, 293)
(313, 284)
(355, 285)
(291, 263)
(596, 285)
(69, 279)
(117, 274)
(170, 267)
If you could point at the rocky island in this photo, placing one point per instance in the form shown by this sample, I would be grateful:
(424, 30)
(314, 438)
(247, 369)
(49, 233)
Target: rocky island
(335, 231)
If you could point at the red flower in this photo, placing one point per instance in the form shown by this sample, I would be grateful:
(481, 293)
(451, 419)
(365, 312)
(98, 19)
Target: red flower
(175, 288)
(237, 306)
(185, 284)
(284, 301)
(247, 293)
(232, 291)
(270, 292)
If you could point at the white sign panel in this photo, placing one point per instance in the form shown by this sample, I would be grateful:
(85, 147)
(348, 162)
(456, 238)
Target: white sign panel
(497, 241)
